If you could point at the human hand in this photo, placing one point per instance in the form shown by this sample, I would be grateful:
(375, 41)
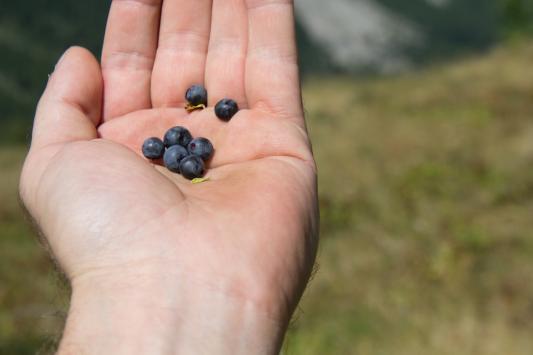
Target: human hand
(153, 260)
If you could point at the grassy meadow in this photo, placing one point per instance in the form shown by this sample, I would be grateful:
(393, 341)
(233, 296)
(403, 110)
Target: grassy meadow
(426, 195)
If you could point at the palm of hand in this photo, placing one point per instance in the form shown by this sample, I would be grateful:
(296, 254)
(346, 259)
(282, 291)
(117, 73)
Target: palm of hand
(248, 231)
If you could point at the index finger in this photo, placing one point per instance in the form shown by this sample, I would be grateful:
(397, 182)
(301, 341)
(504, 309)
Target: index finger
(128, 55)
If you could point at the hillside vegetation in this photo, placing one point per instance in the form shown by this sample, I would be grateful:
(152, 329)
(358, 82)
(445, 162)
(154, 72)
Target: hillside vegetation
(426, 195)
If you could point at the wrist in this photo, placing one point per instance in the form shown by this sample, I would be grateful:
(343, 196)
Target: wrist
(151, 315)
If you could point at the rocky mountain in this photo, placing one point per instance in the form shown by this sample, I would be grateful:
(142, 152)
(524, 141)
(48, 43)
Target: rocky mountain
(359, 34)
(390, 35)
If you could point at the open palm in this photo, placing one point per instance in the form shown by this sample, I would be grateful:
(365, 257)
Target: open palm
(250, 231)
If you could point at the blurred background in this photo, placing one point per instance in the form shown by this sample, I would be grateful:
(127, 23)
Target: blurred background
(421, 114)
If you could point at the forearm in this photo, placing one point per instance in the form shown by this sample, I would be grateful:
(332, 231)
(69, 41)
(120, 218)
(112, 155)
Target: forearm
(112, 317)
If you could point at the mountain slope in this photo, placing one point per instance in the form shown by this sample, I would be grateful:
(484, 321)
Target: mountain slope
(334, 36)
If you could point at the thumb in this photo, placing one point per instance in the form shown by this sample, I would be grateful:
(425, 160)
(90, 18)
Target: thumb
(70, 108)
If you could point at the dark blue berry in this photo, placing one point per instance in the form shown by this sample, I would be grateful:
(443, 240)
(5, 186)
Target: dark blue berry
(177, 136)
(153, 148)
(201, 147)
(192, 167)
(225, 109)
(196, 95)
(173, 157)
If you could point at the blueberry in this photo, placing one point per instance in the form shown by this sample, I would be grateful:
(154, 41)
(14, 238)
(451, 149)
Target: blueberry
(201, 147)
(173, 157)
(177, 136)
(225, 109)
(153, 148)
(196, 95)
(192, 167)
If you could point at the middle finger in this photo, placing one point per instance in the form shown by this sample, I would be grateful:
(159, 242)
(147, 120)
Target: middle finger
(181, 54)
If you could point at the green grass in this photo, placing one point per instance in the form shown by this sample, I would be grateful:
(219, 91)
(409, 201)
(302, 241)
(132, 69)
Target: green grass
(30, 297)
(426, 195)
(426, 189)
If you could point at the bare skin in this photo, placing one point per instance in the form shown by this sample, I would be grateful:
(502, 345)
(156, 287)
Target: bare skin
(159, 265)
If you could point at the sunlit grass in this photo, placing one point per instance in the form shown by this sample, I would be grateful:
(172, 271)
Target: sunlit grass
(426, 191)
